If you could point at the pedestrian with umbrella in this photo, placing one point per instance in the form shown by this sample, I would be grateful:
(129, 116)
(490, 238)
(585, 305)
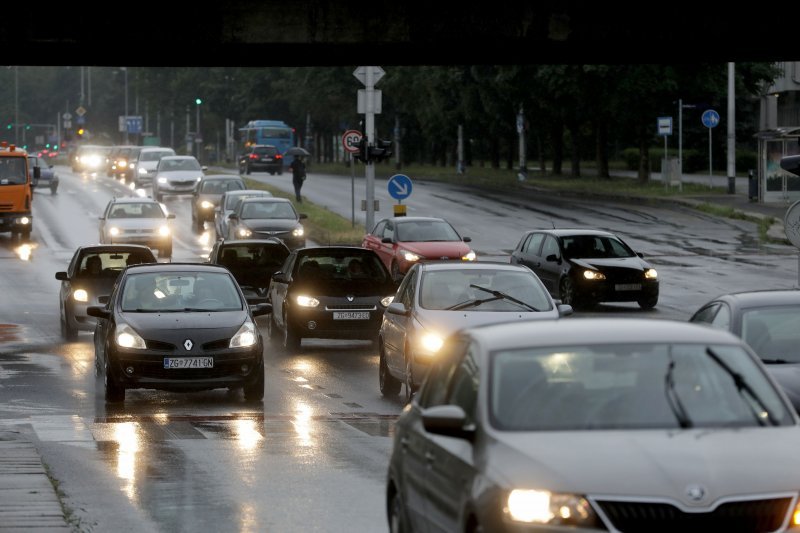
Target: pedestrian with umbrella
(298, 169)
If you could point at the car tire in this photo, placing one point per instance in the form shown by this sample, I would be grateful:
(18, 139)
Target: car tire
(389, 385)
(68, 331)
(165, 251)
(280, 172)
(648, 302)
(247, 169)
(271, 172)
(255, 391)
(53, 189)
(410, 386)
(291, 340)
(397, 516)
(114, 392)
(396, 275)
(159, 197)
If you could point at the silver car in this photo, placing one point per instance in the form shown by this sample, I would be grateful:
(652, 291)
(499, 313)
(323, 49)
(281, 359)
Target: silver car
(177, 174)
(228, 203)
(148, 162)
(596, 425)
(137, 220)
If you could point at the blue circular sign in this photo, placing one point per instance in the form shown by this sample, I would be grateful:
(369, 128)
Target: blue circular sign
(399, 186)
(710, 118)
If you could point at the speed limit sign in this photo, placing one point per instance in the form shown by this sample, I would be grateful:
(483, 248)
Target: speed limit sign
(350, 140)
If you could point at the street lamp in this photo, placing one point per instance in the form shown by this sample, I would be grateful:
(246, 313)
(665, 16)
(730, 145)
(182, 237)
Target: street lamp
(198, 136)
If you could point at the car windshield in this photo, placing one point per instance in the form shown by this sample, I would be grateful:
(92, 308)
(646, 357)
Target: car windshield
(12, 171)
(594, 247)
(253, 256)
(180, 292)
(627, 386)
(136, 210)
(220, 186)
(154, 156)
(109, 264)
(483, 290)
(773, 332)
(265, 150)
(425, 231)
(268, 210)
(233, 199)
(178, 164)
(343, 266)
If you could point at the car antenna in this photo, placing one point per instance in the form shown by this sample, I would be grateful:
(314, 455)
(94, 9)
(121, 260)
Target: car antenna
(553, 223)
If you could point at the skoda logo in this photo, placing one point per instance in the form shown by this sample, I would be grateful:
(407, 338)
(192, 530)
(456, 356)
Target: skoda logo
(350, 297)
(695, 492)
(188, 344)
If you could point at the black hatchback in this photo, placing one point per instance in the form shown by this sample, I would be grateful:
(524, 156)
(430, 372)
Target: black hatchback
(178, 326)
(329, 292)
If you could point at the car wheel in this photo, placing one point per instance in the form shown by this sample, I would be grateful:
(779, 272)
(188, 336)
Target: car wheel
(68, 331)
(648, 302)
(255, 391)
(388, 384)
(159, 197)
(280, 172)
(291, 340)
(397, 517)
(410, 385)
(247, 169)
(53, 189)
(271, 172)
(165, 251)
(114, 391)
(396, 275)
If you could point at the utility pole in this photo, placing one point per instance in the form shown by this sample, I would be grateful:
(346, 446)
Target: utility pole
(731, 129)
(369, 76)
(189, 147)
(460, 167)
(523, 170)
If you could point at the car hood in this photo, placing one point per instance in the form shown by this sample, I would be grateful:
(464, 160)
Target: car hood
(339, 288)
(436, 250)
(100, 286)
(652, 463)
(446, 322)
(788, 377)
(269, 224)
(214, 198)
(184, 323)
(180, 175)
(149, 165)
(633, 263)
(136, 223)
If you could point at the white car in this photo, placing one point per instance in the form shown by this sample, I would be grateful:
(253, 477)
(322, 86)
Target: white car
(177, 174)
(148, 162)
(137, 220)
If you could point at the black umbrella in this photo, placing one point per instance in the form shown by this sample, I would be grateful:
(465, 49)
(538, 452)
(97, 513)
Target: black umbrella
(297, 150)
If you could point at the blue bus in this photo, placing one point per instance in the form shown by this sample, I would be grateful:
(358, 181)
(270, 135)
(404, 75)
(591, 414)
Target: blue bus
(274, 132)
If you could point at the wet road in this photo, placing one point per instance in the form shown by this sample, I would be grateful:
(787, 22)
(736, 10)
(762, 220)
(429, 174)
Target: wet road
(313, 457)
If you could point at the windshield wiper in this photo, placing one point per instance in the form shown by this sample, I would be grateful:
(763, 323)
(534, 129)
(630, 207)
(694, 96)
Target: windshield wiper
(498, 295)
(672, 397)
(777, 361)
(744, 386)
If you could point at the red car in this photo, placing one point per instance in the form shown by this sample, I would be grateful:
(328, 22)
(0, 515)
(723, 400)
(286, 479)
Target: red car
(402, 241)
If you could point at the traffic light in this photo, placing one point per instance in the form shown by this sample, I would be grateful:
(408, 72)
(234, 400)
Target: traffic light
(363, 150)
(10, 125)
(382, 150)
(81, 131)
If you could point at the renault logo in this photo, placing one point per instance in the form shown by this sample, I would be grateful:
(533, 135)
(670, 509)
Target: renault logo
(350, 297)
(695, 492)
(187, 344)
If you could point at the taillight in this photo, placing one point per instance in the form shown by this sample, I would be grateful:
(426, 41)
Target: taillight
(278, 156)
(253, 156)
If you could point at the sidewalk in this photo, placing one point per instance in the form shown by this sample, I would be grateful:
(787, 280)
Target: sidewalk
(28, 500)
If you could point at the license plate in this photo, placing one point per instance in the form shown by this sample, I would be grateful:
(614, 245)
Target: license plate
(267, 159)
(628, 286)
(188, 362)
(350, 315)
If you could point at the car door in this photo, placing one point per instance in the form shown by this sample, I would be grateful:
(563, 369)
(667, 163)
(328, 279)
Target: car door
(527, 251)
(550, 264)
(279, 288)
(395, 327)
(103, 223)
(372, 240)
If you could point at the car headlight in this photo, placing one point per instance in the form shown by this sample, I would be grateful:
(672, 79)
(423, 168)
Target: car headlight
(122, 164)
(142, 170)
(651, 273)
(409, 256)
(163, 231)
(386, 300)
(199, 178)
(593, 274)
(796, 515)
(298, 232)
(162, 180)
(114, 231)
(431, 342)
(246, 336)
(545, 507)
(205, 204)
(244, 232)
(469, 256)
(126, 337)
(80, 295)
(24, 221)
(306, 301)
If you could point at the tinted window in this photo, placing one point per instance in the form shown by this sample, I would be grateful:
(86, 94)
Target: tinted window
(773, 333)
(136, 210)
(180, 292)
(265, 150)
(464, 385)
(343, 266)
(594, 246)
(532, 246)
(275, 210)
(427, 230)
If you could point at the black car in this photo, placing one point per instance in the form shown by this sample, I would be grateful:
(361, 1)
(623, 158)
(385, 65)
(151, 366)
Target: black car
(329, 292)
(261, 157)
(252, 262)
(178, 326)
(260, 218)
(767, 320)
(583, 267)
(88, 281)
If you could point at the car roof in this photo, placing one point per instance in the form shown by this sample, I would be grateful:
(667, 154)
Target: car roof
(416, 219)
(232, 177)
(263, 146)
(582, 331)
(157, 149)
(331, 249)
(114, 247)
(177, 267)
(473, 265)
(240, 242)
(179, 157)
(762, 298)
(247, 191)
(265, 199)
(133, 200)
(564, 232)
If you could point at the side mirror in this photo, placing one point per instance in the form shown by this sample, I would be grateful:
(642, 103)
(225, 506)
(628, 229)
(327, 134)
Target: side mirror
(233, 216)
(62, 276)
(203, 168)
(553, 258)
(448, 420)
(564, 309)
(387, 240)
(640, 254)
(279, 277)
(98, 312)
(396, 308)
(261, 309)
(171, 215)
(467, 239)
(37, 173)
(302, 216)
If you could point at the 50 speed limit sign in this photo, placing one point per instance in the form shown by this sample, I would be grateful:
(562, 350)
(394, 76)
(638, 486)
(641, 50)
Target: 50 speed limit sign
(350, 140)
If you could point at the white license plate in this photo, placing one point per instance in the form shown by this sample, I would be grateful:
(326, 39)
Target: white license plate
(628, 286)
(188, 362)
(350, 315)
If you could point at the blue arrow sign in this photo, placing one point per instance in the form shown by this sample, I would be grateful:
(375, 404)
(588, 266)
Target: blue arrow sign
(710, 118)
(399, 186)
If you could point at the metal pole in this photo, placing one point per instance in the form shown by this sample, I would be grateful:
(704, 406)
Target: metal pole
(353, 188)
(731, 131)
(523, 171)
(89, 84)
(16, 106)
(189, 145)
(397, 163)
(58, 130)
(127, 140)
(370, 133)
(460, 165)
(710, 159)
(81, 102)
(198, 136)
(680, 135)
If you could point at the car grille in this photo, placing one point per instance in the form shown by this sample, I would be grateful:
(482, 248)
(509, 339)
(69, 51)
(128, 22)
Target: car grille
(160, 346)
(219, 344)
(731, 517)
(182, 183)
(6, 207)
(350, 307)
(137, 231)
(278, 234)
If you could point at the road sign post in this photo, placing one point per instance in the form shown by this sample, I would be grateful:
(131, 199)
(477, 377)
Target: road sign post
(369, 76)
(710, 120)
(350, 142)
(400, 188)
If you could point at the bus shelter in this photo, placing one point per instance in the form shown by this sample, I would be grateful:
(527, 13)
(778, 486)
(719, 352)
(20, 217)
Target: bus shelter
(776, 185)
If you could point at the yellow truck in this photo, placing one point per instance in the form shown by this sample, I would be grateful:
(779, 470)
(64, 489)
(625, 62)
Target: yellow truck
(16, 191)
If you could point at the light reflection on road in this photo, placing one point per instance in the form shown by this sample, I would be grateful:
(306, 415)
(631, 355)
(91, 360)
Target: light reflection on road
(127, 438)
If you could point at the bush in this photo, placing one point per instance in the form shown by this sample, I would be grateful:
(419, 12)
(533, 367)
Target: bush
(693, 160)
(746, 160)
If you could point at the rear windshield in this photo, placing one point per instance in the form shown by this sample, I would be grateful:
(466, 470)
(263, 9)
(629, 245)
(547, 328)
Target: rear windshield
(265, 150)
